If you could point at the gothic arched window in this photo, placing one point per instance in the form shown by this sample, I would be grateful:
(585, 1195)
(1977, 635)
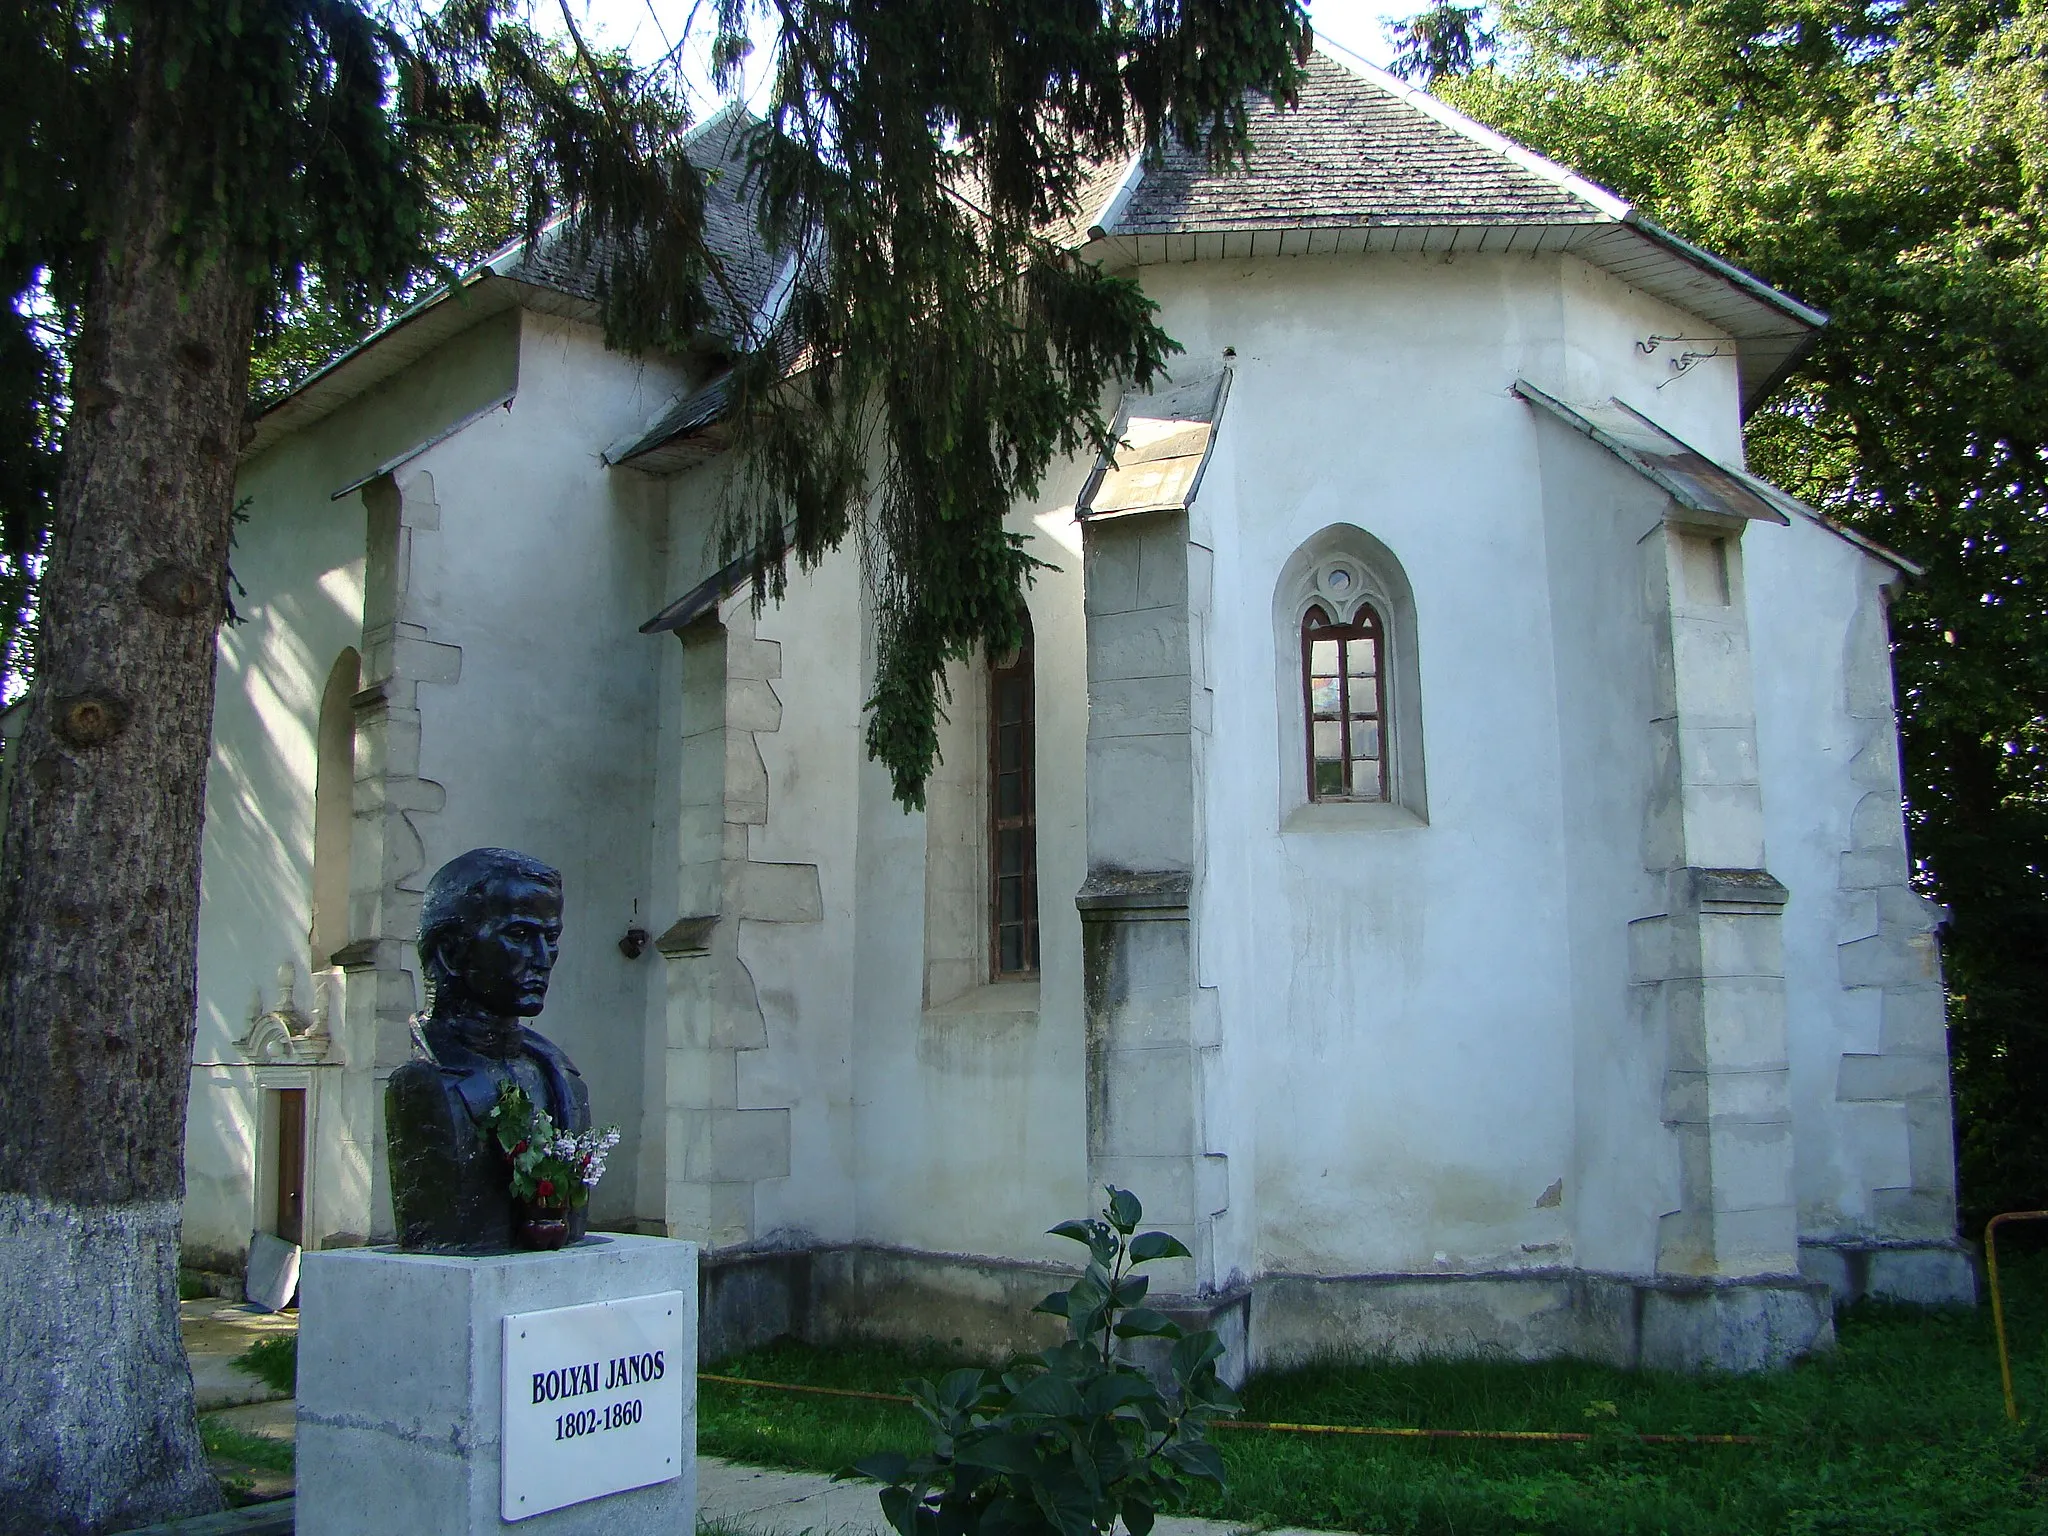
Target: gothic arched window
(1345, 704)
(334, 788)
(1013, 817)
(1350, 686)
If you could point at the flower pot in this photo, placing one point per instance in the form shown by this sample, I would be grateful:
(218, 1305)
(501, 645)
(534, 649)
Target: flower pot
(544, 1227)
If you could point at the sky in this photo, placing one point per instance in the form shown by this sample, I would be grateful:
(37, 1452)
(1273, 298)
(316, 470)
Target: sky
(647, 27)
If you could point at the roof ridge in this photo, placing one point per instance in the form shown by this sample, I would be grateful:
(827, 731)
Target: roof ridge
(1448, 116)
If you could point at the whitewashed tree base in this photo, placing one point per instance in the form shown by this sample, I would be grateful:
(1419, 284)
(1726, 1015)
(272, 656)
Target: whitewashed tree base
(96, 1424)
(400, 1406)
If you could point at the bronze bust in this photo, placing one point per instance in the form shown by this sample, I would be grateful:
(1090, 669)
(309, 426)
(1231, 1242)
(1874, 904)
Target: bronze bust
(489, 933)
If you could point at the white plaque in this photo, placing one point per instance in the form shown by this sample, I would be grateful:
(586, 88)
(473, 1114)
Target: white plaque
(593, 1401)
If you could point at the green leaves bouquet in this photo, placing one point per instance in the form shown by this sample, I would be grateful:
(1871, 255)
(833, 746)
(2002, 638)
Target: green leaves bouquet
(550, 1167)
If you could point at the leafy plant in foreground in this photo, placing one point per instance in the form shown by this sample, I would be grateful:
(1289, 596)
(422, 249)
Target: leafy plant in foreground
(1077, 1437)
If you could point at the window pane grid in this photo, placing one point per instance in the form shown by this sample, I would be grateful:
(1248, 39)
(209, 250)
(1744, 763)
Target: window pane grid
(1345, 702)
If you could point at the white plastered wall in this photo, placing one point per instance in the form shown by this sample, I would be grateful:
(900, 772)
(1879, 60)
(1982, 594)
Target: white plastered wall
(1427, 1060)
(1401, 1006)
(534, 569)
(959, 1129)
(542, 568)
(971, 1114)
(299, 561)
(1869, 1062)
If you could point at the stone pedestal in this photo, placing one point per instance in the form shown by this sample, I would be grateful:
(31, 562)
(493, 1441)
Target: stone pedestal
(401, 1393)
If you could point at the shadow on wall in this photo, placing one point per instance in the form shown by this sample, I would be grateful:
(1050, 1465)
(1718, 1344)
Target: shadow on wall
(220, 1176)
(259, 862)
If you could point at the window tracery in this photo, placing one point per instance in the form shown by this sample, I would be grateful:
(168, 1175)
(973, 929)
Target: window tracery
(1350, 715)
(1344, 703)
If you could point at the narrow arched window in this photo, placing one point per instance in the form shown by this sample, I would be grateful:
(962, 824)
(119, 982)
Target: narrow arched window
(334, 787)
(1013, 818)
(1345, 704)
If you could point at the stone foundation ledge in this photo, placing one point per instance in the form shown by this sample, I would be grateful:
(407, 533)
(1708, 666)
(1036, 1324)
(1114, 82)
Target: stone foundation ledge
(1657, 1323)
(1921, 1271)
(982, 1308)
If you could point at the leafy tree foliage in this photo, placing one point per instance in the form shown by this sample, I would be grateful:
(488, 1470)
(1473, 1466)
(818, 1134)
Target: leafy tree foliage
(948, 344)
(175, 170)
(478, 176)
(1888, 162)
(1446, 39)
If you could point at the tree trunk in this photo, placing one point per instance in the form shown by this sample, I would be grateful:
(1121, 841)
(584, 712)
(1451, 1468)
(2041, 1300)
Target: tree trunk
(99, 879)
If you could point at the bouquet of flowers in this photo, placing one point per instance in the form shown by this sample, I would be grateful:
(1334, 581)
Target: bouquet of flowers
(550, 1167)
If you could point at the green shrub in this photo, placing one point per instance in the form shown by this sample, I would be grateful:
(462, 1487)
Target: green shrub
(1071, 1441)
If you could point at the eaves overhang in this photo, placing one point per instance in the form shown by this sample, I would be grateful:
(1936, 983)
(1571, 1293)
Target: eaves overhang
(402, 341)
(1771, 331)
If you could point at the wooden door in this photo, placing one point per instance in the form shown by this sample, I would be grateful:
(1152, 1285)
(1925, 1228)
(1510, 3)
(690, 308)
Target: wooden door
(290, 1218)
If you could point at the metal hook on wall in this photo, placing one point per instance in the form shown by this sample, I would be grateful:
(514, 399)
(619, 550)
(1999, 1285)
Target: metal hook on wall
(1692, 357)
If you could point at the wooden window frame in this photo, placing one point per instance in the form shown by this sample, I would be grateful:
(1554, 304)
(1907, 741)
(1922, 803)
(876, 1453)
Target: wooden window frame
(1025, 821)
(1366, 624)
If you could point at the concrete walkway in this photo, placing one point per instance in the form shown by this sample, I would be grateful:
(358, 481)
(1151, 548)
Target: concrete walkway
(731, 1498)
(764, 1502)
(215, 1332)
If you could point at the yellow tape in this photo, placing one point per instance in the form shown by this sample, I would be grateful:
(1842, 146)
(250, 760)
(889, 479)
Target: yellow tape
(1291, 1429)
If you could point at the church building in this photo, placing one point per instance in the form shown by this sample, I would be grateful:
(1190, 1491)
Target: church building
(1441, 846)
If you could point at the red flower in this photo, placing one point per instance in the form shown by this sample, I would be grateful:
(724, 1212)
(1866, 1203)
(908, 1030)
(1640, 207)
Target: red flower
(544, 1188)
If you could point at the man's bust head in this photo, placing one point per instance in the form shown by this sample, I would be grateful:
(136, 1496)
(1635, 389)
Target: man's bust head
(489, 934)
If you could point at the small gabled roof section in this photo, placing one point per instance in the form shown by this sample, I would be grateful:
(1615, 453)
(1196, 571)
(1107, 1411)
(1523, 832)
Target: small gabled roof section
(703, 599)
(434, 440)
(695, 427)
(1688, 476)
(700, 600)
(1163, 440)
(554, 277)
(692, 430)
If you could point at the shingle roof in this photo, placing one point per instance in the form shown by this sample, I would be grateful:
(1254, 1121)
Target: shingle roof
(1363, 163)
(1350, 153)
(718, 148)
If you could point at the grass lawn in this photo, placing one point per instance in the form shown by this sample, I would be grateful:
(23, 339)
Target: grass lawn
(273, 1361)
(249, 1468)
(1901, 1432)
